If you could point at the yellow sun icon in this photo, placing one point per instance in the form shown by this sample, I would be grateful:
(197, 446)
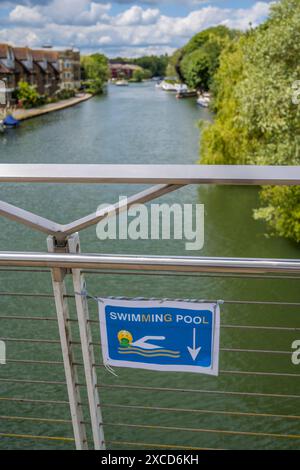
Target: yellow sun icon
(125, 338)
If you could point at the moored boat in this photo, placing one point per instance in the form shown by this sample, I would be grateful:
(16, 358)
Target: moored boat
(10, 122)
(175, 87)
(122, 83)
(186, 94)
(204, 100)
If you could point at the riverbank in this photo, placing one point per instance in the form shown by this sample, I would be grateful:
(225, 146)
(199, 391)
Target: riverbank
(24, 114)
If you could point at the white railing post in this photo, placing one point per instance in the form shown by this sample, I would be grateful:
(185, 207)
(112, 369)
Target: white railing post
(87, 348)
(62, 310)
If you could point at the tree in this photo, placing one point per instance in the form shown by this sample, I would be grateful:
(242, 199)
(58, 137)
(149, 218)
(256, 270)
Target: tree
(200, 39)
(95, 71)
(155, 64)
(195, 68)
(257, 121)
(173, 68)
(141, 74)
(197, 62)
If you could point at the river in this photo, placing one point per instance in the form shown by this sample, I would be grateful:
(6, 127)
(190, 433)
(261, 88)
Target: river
(142, 125)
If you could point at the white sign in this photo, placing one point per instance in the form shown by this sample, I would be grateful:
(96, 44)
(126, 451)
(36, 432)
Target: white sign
(163, 336)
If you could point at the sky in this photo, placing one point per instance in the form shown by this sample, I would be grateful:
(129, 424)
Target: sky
(121, 27)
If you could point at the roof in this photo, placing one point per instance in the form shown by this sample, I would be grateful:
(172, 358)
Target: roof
(22, 53)
(22, 64)
(124, 67)
(55, 68)
(3, 50)
(51, 56)
(39, 55)
(5, 70)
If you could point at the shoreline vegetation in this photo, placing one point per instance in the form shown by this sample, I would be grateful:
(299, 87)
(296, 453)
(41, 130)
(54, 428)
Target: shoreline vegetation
(252, 78)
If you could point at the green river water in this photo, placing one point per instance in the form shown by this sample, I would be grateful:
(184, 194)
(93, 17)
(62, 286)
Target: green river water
(142, 125)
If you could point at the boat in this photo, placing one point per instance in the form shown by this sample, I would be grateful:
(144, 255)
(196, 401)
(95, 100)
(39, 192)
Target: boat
(166, 86)
(176, 87)
(10, 122)
(181, 88)
(186, 94)
(122, 83)
(204, 100)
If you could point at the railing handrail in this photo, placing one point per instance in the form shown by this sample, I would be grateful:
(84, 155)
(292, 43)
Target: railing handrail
(153, 263)
(150, 174)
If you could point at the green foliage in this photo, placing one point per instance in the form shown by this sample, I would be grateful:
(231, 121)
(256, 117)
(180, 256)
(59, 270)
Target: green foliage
(141, 74)
(256, 120)
(195, 68)
(281, 211)
(197, 62)
(204, 37)
(28, 96)
(172, 69)
(156, 65)
(95, 71)
(65, 94)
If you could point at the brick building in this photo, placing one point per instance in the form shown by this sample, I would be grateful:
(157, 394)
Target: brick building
(70, 70)
(46, 69)
(7, 71)
(122, 70)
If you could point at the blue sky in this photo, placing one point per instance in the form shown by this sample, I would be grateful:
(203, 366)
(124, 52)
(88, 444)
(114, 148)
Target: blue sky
(121, 27)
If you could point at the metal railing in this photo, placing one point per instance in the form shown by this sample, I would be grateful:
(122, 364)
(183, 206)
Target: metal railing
(51, 391)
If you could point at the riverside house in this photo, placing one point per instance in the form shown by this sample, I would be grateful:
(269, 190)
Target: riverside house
(54, 77)
(46, 69)
(7, 71)
(24, 65)
(122, 70)
(48, 74)
(70, 70)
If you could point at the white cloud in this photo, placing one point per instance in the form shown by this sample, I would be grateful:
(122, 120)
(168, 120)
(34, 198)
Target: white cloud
(137, 16)
(91, 25)
(254, 15)
(26, 15)
(82, 12)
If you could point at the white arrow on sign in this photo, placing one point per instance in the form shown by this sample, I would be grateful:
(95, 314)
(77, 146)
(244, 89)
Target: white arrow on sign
(142, 342)
(194, 351)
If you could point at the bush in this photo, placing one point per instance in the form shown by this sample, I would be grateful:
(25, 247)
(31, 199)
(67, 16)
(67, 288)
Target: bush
(95, 72)
(65, 94)
(141, 74)
(28, 96)
(94, 87)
